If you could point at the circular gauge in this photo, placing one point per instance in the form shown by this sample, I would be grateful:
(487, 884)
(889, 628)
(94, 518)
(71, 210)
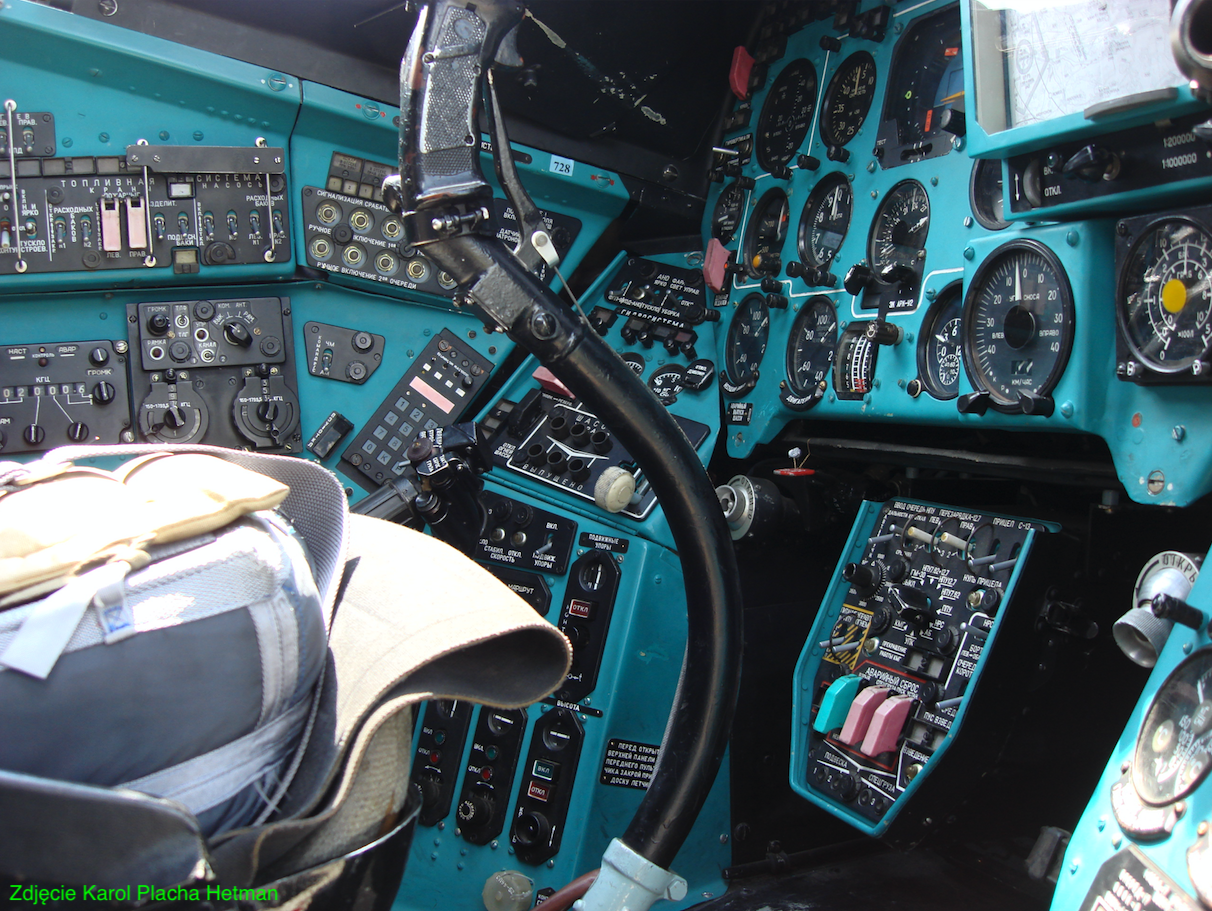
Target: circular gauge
(938, 349)
(786, 114)
(1165, 295)
(746, 343)
(848, 99)
(825, 219)
(667, 383)
(766, 235)
(1174, 748)
(926, 80)
(810, 352)
(1018, 324)
(634, 361)
(898, 231)
(727, 213)
(985, 194)
(854, 366)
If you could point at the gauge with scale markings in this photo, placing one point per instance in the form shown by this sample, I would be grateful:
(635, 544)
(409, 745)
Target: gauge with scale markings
(848, 99)
(1174, 748)
(825, 220)
(899, 229)
(1164, 299)
(1018, 324)
(786, 114)
(985, 194)
(667, 382)
(766, 234)
(810, 352)
(746, 344)
(854, 366)
(727, 214)
(940, 344)
(634, 361)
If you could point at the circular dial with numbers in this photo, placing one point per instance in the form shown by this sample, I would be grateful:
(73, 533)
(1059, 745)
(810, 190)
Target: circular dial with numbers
(747, 336)
(899, 229)
(939, 358)
(825, 219)
(634, 361)
(985, 194)
(810, 352)
(1165, 296)
(1017, 324)
(727, 214)
(786, 114)
(766, 234)
(1174, 748)
(667, 382)
(848, 99)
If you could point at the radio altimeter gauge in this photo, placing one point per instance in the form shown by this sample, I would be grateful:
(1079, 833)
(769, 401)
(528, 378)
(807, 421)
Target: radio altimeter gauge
(939, 347)
(810, 352)
(1164, 304)
(1018, 328)
(847, 101)
(766, 234)
(786, 115)
(747, 336)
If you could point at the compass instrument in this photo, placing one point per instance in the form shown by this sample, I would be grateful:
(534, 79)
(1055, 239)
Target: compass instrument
(1164, 299)
(847, 101)
(746, 344)
(1018, 327)
(786, 115)
(824, 220)
(810, 352)
(939, 358)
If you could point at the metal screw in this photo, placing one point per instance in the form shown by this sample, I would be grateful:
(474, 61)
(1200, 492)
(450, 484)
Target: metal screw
(543, 325)
(107, 7)
(1179, 433)
(967, 221)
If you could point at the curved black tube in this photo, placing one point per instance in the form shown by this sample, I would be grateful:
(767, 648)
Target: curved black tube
(701, 718)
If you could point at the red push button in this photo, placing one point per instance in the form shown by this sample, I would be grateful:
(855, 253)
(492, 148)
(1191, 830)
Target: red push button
(861, 712)
(886, 725)
(539, 791)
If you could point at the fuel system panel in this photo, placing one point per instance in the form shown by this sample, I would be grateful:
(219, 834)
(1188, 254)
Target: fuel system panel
(892, 674)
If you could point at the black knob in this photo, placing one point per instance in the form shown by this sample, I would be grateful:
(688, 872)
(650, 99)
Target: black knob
(578, 469)
(746, 183)
(532, 829)
(914, 605)
(838, 153)
(556, 462)
(363, 341)
(600, 441)
(77, 432)
(157, 323)
(204, 311)
(776, 301)
(771, 285)
(858, 277)
(342, 234)
(973, 403)
(796, 269)
(268, 412)
(578, 433)
(1167, 607)
(34, 434)
(780, 172)
(103, 393)
(431, 791)
(355, 371)
(1035, 404)
(897, 569)
(558, 426)
(475, 812)
(822, 278)
(236, 333)
(808, 162)
(421, 449)
(954, 122)
(830, 43)
(882, 332)
(174, 417)
(3, 439)
(863, 576)
(914, 387)
(180, 351)
(577, 633)
(1091, 163)
(99, 357)
(536, 454)
(898, 274)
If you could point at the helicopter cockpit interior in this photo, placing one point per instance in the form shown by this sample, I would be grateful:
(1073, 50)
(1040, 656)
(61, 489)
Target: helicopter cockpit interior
(908, 304)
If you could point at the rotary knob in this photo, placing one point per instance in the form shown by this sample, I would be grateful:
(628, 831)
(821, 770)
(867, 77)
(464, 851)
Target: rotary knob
(614, 489)
(475, 812)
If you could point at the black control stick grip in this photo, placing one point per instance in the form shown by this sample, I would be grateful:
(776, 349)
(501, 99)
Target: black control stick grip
(440, 94)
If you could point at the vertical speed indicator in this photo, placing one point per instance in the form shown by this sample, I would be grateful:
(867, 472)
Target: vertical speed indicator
(1018, 327)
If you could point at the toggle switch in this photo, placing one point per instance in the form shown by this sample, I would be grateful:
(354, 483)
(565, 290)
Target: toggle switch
(835, 704)
(886, 725)
(862, 710)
